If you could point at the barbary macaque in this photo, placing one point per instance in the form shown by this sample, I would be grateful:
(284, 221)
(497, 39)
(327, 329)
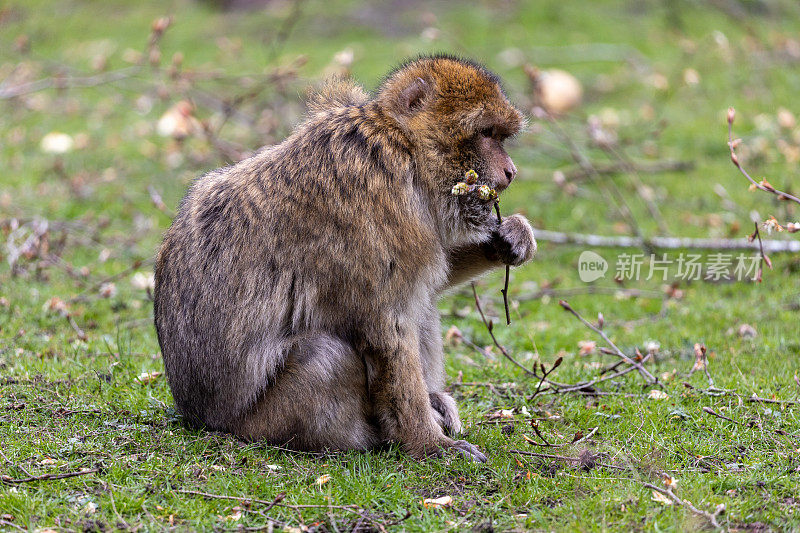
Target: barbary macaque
(296, 291)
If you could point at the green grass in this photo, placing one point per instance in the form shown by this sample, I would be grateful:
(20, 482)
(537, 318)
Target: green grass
(67, 404)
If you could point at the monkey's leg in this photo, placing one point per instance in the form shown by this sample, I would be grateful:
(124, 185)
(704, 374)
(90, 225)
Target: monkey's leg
(430, 347)
(401, 396)
(319, 400)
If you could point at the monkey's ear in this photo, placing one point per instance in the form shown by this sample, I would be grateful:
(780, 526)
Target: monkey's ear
(414, 97)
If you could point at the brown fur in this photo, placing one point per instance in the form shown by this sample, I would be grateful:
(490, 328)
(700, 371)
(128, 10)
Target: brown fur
(296, 291)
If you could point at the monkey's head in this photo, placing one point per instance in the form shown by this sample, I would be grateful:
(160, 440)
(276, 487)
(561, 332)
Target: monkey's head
(456, 116)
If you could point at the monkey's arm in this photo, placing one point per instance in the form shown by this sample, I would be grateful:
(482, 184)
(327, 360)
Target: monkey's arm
(399, 392)
(512, 243)
(470, 261)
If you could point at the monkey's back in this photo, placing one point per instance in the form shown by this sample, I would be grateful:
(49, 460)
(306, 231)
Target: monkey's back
(311, 235)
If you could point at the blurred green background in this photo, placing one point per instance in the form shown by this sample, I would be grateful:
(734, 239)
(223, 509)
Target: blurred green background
(80, 382)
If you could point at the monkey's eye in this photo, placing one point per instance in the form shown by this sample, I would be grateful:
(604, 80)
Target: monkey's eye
(487, 132)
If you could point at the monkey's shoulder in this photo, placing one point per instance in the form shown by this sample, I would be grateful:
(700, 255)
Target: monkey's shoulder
(337, 93)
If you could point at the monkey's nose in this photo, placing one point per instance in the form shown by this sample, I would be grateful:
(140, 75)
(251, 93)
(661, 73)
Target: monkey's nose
(511, 172)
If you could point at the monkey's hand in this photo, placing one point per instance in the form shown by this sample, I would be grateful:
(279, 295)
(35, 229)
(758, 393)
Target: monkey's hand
(513, 241)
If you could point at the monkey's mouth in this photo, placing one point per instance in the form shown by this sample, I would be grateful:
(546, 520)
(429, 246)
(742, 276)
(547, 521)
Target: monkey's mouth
(500, 187)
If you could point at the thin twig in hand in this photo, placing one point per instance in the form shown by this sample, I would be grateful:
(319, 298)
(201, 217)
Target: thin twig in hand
(647, 375)
(504, 290)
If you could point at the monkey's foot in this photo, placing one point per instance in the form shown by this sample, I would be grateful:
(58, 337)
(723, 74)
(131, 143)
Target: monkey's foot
(470, 451)
(446, 413)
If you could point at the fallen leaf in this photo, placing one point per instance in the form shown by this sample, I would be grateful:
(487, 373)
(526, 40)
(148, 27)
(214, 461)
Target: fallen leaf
(669, 482)
(108, 290)
(556, 90)
(443, 501)
(586, 347)
(746, 331)
(235, 515)
(57, 305)
(700, 357)
(324, 478)
(691, 76)
(652, 347)
(143, 281)
(656, 394)
(178, 122)
(56, 143)
(661, 498)
(453, 336)
(147, 377)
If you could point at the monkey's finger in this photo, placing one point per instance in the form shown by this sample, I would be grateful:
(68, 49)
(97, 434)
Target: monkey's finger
(470, 451)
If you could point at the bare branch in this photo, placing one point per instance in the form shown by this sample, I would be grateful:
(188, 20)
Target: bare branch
(712, 518)
(763, 185)
(47, 477)
(664, 243)
(619, 353)
(490, 327)
(64, 82)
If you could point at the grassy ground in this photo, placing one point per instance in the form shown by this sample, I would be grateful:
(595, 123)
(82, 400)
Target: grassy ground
(71, 401)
